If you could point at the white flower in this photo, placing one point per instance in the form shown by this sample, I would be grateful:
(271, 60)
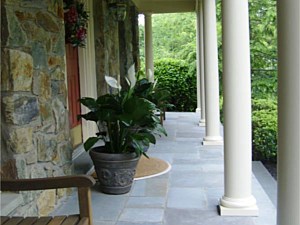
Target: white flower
(131, 75)
(112, 82)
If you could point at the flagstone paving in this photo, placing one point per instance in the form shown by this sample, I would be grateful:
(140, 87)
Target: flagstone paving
(189, 193)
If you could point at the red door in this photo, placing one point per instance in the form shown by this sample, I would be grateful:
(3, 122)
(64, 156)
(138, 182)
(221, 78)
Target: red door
(73, 84)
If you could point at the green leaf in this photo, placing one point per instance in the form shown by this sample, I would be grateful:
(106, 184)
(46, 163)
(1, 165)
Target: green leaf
(92, 116)
(90, 142)
(89, 103)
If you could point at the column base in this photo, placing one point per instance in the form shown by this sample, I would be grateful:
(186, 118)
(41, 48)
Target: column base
(238, 207)
(198, 110)
(213, 140)
(247, 211)
(202, 123)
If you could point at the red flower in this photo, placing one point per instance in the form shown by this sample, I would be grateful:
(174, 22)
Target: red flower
(81, 33)
(72, 15)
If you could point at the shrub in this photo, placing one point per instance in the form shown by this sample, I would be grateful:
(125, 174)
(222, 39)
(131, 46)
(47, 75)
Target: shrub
(264, 104)
(264, 130)
(264, 86)
(176, 76)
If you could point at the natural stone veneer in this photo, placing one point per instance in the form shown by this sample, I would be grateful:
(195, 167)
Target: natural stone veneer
(20, 140)
(35, 134)
(21, 69)
(19, 109)
(46, 202)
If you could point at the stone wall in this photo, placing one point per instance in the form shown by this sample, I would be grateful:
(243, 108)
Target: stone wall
(35, 139)
(116, 43)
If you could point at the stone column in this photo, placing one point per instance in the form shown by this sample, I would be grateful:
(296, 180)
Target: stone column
(288, 211)
(212, 109)
(238, 199)
(149, 47)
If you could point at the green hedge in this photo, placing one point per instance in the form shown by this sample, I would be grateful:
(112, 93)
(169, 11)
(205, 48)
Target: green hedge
(264, 104)
(176, 76)
(264, 130)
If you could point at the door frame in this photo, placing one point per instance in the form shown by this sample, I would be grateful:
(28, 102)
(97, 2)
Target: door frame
(87, 72)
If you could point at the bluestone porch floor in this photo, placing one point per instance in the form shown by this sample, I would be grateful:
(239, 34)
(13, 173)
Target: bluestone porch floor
(189, 193)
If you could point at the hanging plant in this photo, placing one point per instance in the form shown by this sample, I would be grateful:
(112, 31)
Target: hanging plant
(76, 22)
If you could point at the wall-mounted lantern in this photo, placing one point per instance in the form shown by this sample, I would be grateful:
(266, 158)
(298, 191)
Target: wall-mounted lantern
(118, 9)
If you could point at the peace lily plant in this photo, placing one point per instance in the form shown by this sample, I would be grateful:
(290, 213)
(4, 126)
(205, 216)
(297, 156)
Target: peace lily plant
(126, 119)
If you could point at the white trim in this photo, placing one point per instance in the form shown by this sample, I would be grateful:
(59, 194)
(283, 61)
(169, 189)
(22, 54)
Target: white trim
(77, 152)
(87, 71)
(91, 171)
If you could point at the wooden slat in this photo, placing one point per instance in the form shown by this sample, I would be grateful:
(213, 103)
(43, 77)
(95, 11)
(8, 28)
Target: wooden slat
(71, 220)
(83, 221)
(57, 220)
(3, 219)
(14, 221)
(43, 220)
(28, 221)
(47, 183)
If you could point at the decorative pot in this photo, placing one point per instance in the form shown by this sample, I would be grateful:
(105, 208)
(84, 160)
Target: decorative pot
(115, 172)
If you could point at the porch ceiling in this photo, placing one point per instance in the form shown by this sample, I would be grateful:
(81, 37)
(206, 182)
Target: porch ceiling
(165, 6)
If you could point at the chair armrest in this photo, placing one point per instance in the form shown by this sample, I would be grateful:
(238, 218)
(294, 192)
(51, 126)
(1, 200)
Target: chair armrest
(47, 183)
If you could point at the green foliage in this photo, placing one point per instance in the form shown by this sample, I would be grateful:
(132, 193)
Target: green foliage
(174, 36)
(264, 104)
(264, 130)
(174, 76)
(158, 95)
(263, 44)
(263, 35)
(264, 86)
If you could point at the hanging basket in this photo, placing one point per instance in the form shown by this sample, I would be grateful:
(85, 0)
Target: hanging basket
(76, 23)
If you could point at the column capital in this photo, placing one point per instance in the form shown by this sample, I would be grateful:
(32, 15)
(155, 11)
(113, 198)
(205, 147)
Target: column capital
(148, 14)
(198, 5)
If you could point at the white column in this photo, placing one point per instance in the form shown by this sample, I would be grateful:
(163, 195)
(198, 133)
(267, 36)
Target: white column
(288, 211)
(200, 63)
(149, 47)
(198, 109)
(198, 60)
(238, 199)
(201, 57)
(212, 109)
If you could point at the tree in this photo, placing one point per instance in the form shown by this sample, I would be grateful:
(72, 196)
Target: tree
(174, 36)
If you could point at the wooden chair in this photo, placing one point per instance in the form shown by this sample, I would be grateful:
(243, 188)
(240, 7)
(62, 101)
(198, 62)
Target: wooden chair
(83, 184)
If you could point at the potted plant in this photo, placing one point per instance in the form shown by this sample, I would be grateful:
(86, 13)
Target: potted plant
(128, 125)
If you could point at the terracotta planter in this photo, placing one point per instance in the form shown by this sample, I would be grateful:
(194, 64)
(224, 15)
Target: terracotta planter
(115, 172)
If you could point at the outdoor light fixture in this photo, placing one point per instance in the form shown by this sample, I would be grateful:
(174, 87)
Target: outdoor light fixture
(118, 9)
